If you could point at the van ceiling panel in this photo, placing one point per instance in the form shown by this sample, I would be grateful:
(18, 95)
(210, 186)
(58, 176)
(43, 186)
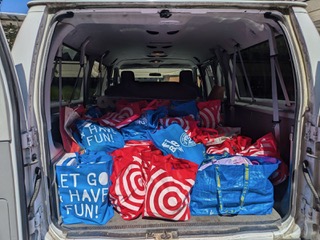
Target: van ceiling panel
(189, 34)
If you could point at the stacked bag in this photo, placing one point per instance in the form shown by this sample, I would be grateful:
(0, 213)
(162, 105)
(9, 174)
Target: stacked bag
(147, 183)
(162, 159)
(83, 186)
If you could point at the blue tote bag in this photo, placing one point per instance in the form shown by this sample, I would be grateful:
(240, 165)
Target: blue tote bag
(148, 122)
(234, 189)
(174, 140)
(83, 187)
(93, 137)
(184, 108)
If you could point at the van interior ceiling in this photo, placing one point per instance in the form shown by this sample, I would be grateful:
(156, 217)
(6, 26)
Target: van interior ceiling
(222, 48)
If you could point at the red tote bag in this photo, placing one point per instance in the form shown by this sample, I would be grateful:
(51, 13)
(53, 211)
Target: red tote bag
(67, 117)
(209, 112)
(127, 191)
(168, 188)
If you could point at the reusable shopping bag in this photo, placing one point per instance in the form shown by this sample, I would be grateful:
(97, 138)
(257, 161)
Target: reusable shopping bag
(67, 116)
(156, 103)
(83, 186)
(182, 108)
(174, 140)
(209, 112)
(234, 189)
(187, 123)
(169, 181)
(232, 145)
(126, 112)
(267, 146)
(93, 112)
(148, 121)
(127, 192)
(91, 136)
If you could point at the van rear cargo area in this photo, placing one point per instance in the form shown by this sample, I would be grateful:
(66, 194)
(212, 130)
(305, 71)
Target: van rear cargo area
(224, 76)
(205, 225)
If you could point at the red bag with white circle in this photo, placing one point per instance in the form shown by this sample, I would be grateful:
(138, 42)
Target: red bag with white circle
(168, 187)
(124, 115)
(267, 146)
(209, 112)
(127, 191)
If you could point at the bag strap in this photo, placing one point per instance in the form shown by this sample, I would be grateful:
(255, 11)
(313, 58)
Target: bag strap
(232, 210)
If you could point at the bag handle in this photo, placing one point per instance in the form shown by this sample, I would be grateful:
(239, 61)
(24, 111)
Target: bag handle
(232, 210)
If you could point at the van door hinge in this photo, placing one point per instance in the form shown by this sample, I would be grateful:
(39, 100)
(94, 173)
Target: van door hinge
(162, 234)
(29, 139)
(35, 223)
(312, 217)
(312, 133)
(311, 214)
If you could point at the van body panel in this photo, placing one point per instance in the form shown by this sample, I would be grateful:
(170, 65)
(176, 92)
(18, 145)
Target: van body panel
(158, 2)
(5, 227)
(308, 200)
(25, 68)
(12, 191)
(35, 54)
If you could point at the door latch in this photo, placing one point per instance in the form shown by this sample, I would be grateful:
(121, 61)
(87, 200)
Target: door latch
(163, 234)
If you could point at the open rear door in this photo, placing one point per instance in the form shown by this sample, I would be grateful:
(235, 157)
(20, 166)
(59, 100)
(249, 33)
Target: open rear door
(308, 207)
(13, 203)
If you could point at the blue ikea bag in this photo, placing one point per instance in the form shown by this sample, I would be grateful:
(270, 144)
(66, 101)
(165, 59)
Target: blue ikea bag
(93, 137)
(174, 140)
(83, 187)
(139, 129)
(234, 189)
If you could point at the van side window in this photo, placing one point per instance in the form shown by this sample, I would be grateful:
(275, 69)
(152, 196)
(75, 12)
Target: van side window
(214, 79)
(256, 61)
(209, 78)
(72, 76)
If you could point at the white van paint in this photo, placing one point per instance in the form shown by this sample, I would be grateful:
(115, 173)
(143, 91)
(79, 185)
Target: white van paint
(33, 56)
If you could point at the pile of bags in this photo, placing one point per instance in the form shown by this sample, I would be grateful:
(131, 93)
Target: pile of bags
(161, 159)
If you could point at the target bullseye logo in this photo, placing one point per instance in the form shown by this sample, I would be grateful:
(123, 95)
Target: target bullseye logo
(126, 112)
(129, 192)
(167, 197)
(119, 119)
(210, 116)
(168, 121)
(184, 122)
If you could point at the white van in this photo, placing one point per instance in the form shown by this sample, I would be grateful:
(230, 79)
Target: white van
(263, 56)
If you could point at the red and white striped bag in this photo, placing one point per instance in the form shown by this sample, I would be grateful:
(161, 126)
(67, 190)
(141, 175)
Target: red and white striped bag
(228, 131)
(267, 146)
(127, 192)
(124, 115)
(232, 145)
(264, 146)
(187, 123)
(168, 188)
(209, 112)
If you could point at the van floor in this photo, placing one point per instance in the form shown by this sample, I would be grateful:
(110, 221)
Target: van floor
(144, 228)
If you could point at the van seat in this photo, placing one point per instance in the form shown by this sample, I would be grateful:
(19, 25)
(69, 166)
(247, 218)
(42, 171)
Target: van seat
(127, 78)
(186, 79)
(129, 88)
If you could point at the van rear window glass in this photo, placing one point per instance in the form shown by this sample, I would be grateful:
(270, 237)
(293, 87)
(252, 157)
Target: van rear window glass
(156, 74)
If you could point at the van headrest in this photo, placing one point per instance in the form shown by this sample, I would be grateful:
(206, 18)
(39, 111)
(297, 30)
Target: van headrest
(186, 77)
(127, 77)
